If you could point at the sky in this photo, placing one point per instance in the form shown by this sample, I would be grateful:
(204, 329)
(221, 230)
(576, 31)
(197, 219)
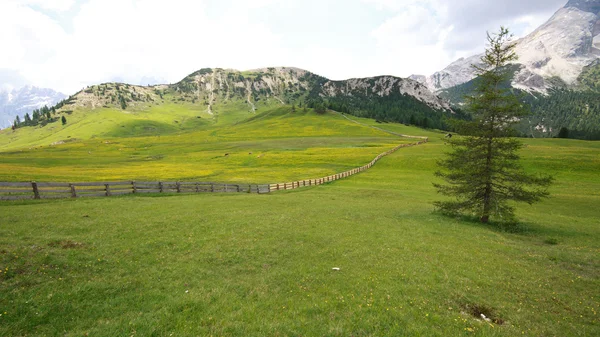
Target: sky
(69, 44)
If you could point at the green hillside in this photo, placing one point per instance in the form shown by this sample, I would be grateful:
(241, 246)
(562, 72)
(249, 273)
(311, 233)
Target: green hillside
(215, 125)
(172, 142)
(221, 95)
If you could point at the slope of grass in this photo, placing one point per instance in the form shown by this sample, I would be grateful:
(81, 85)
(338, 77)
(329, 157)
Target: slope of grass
(261, 265)
(270, 146)
(85, 124)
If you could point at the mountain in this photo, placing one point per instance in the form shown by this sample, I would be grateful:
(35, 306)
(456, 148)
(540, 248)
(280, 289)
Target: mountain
(18, 102)
(577, 111)
(291, 84)
(553, 56)
(458, 72)
(224, 98)
(386, 98)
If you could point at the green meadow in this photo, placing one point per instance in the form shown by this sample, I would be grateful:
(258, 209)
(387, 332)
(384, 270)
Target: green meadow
(276, 145)
(262, 265)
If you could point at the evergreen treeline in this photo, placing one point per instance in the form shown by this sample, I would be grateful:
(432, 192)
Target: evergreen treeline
(42, 116)
(576, 111)
(393, 108)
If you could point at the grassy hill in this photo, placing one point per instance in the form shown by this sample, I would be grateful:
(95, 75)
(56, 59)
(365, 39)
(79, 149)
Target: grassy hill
(222, 93)
(276, 144)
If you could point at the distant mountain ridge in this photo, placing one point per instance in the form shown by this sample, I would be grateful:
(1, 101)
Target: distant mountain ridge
(289, 84)
(18, 102)
(383, 97)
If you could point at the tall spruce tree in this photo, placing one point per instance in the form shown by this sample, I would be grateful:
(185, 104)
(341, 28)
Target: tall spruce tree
(482, 171)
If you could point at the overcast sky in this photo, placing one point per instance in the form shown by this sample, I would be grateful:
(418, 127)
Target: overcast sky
(68, 44)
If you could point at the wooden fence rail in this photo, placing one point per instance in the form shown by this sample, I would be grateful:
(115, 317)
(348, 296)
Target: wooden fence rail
(43, 190)
(323, 180)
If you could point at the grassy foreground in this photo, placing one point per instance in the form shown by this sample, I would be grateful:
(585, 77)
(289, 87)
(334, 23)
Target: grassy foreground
(261, 265)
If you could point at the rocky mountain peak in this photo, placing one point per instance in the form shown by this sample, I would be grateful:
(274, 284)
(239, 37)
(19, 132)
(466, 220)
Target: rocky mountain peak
(274, 85)
(552, 55)
(592, 6)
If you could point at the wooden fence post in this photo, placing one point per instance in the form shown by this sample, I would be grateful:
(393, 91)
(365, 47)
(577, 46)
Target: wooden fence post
(212, 188)
(36, 192)
(73, 192)
(107, 189)
(160, 186)
(197, 188)
(178, 185)
(133, 187)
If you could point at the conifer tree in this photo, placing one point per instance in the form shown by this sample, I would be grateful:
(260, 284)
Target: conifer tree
(482, 171)
(64, 120)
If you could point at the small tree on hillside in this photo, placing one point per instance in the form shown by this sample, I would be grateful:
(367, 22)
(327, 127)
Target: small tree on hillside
(482, 170)
(563, 133)
(64, 120)
(27, 119)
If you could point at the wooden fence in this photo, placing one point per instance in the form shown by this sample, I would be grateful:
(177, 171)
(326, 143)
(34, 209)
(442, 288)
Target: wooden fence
(319, 181)
(40, 190)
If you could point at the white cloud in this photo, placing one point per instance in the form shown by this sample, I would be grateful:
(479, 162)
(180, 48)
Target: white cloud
(53, 5)
(131, 39)
(28, 37)
(412, 40)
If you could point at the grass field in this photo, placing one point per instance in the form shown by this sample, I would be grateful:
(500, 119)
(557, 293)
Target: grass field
(271, 146)
(261, 265)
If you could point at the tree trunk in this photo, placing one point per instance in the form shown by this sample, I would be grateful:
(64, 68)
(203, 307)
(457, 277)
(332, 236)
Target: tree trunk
(487, 196)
